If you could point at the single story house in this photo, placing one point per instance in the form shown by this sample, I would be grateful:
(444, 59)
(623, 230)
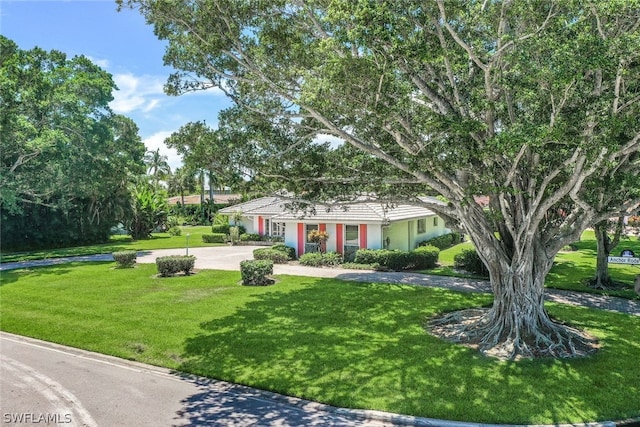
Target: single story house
(359, 225)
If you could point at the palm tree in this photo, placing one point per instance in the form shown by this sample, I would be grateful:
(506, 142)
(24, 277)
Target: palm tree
(157, 165)
(181, 181)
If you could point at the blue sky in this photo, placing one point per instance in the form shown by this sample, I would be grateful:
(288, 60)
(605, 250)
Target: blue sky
(122, 44)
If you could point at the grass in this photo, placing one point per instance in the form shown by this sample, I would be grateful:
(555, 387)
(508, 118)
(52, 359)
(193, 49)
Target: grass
(120, 243)
(346, 344)
(571, 271)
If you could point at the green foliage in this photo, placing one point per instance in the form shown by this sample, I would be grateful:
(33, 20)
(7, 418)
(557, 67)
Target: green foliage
(289, 250)
(174, 231)
(170, 265)
(356, 266)
(319, 259)
(276, 256)
(148, 211)
(125, 259)
(234, 234)
(444, 241)
(220, 228)
(250, 237)
(255, 272)
(66, 158)
(470, 261)
(214, 238)
(425, 257)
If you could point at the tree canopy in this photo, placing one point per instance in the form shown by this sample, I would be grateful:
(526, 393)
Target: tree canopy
(532, 104)
(65, 158)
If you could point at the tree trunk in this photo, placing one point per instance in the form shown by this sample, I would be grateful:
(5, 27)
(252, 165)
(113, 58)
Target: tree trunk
(517, 325)
(602, 279)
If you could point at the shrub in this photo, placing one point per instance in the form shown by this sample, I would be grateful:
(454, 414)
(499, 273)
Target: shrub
(214, 238)
(470, 261)
(426, 256)
(250, 237)
(367, 256)
(355, 266)
(255, 272)
(170, 265)
(289, 250)
(443, 242)
(220, 228)
(175, 231)
(277, 257)
(234, 234)
(399, 260)
(125, 259)
(318, 259)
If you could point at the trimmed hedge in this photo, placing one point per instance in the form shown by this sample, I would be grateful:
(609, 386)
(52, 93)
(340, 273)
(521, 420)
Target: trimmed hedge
(399, 260)
(125, 259)
(251, 237)
(470, 261)
(255, 272)
(318, 259)
(214, 238)
(170, 265)
(274, 255)
(354, 266)
(289, 250)
(443, 242)
(224, 228)
(426, 256)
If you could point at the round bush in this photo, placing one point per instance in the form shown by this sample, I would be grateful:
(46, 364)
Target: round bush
(426, 256)
(125, 259)
(470, 261)
(255, 272)
(277, 257)
(289, 250)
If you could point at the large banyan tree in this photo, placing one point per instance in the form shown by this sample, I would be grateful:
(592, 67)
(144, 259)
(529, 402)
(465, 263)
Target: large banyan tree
(534, 105)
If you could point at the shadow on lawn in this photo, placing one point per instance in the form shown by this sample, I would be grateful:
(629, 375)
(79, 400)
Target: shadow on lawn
(365, 347)
(34, 270)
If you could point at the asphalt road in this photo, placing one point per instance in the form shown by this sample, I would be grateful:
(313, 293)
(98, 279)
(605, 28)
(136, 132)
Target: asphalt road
(47, 384)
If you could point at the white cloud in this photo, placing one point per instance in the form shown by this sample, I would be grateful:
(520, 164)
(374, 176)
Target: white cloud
(136, 93)
(102, 63)
(156, 141)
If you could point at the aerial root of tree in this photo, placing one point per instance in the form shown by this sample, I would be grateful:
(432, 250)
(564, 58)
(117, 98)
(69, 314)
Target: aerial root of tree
(496, 336)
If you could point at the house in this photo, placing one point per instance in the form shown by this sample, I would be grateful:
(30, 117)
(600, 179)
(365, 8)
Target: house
(358, 225)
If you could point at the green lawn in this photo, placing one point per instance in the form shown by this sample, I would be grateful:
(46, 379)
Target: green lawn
(120, 243)
(571, 270)
(346, 344)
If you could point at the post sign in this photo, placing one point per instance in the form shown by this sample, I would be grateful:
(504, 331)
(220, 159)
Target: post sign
(626, 257)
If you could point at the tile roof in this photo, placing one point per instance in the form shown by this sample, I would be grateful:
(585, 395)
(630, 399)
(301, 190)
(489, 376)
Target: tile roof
(355, 212)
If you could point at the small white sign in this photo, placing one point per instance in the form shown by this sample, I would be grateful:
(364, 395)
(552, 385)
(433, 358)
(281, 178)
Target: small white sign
(624, 260)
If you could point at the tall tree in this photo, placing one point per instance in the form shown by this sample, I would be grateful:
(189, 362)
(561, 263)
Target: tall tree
(605, 245)
(157, 165)
(65, 158)
(181, 181)
(204, 148)
(533, 104)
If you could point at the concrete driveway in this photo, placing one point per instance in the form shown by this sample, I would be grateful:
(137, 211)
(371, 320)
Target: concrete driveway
(216, 258)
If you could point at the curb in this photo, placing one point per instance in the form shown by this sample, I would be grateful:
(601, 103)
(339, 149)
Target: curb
(356, 414)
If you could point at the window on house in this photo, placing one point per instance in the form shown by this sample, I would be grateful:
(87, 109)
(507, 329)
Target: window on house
(351, 235)
(308, 229)
(435, 221)
(277, 229)
(422, 226)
